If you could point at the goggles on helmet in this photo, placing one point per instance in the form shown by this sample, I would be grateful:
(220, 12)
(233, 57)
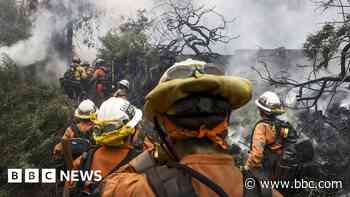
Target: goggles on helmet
(185, 71)
(108, 126)
(111, 133)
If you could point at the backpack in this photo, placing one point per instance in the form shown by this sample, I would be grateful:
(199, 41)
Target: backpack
(175, 180)
(79, 148)
(79, 134)
(297, 149)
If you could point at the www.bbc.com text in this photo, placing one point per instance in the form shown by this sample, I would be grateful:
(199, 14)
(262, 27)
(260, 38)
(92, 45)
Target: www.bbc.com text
(250, 183)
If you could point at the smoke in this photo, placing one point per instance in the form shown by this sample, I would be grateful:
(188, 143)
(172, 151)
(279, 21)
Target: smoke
(270, 23)
(26, 52)
(345, 103)
(50, 29)
(260, 24)
(276, 31)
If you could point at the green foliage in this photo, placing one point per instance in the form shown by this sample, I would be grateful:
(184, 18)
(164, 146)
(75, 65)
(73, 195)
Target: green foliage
(138, 25)
(323, 45)
(128, 48)
(133, 57)
(14, 26)
(31, 115)
(129, 45)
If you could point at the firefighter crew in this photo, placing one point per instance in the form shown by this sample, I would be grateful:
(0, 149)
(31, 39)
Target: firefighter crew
(190, 110)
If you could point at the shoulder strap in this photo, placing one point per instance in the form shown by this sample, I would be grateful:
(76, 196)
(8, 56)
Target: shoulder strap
(76, 130)
(79, 134)
(175, 180)
(131, 154)
(86, 164)
(256, 191)
(200, 177)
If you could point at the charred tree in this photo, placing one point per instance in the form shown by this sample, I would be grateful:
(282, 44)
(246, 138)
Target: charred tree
(183, 30)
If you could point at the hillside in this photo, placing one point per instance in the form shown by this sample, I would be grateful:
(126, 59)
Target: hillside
(33, 116)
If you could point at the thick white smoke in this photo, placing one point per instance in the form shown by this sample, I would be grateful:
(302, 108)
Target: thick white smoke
(35, 48)
(270, 23)
(265, 24)
(48, 22)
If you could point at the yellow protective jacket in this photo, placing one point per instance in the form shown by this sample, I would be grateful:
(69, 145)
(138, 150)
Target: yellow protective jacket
(264, 134)
(80, 72)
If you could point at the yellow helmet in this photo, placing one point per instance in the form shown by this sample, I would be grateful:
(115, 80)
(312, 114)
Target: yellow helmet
(196, 77)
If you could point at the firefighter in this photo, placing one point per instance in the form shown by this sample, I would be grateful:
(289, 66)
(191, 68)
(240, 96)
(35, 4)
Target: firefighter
(69, 74)
(90, 72)
(123, 89)
(79, 70)
(85, 80)
(116, 124)
(80, 128)
(66, 82)
(71, 79)
(98, 79)
(86, 65)
(190, 110)
(266, 145)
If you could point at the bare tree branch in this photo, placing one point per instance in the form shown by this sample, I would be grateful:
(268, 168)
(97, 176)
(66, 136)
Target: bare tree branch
(319, 85)
(184, 26)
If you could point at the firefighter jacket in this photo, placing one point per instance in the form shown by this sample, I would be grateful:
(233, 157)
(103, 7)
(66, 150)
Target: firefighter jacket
(264, 137)
(220, 168)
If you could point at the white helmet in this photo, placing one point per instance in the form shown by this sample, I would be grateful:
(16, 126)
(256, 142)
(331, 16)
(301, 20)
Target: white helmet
(124, 83)
(119, 110)
(270, 103)
(86, 110)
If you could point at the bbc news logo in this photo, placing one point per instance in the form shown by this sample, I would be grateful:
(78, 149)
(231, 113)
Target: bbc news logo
(49, 175)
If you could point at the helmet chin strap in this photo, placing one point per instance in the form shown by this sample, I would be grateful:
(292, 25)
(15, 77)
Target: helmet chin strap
(169, 146)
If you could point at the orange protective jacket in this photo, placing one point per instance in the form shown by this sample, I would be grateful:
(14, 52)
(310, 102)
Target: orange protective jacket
(99, 74)
(69, 134)
(263, 134)
(219, 168)
(104, 159)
